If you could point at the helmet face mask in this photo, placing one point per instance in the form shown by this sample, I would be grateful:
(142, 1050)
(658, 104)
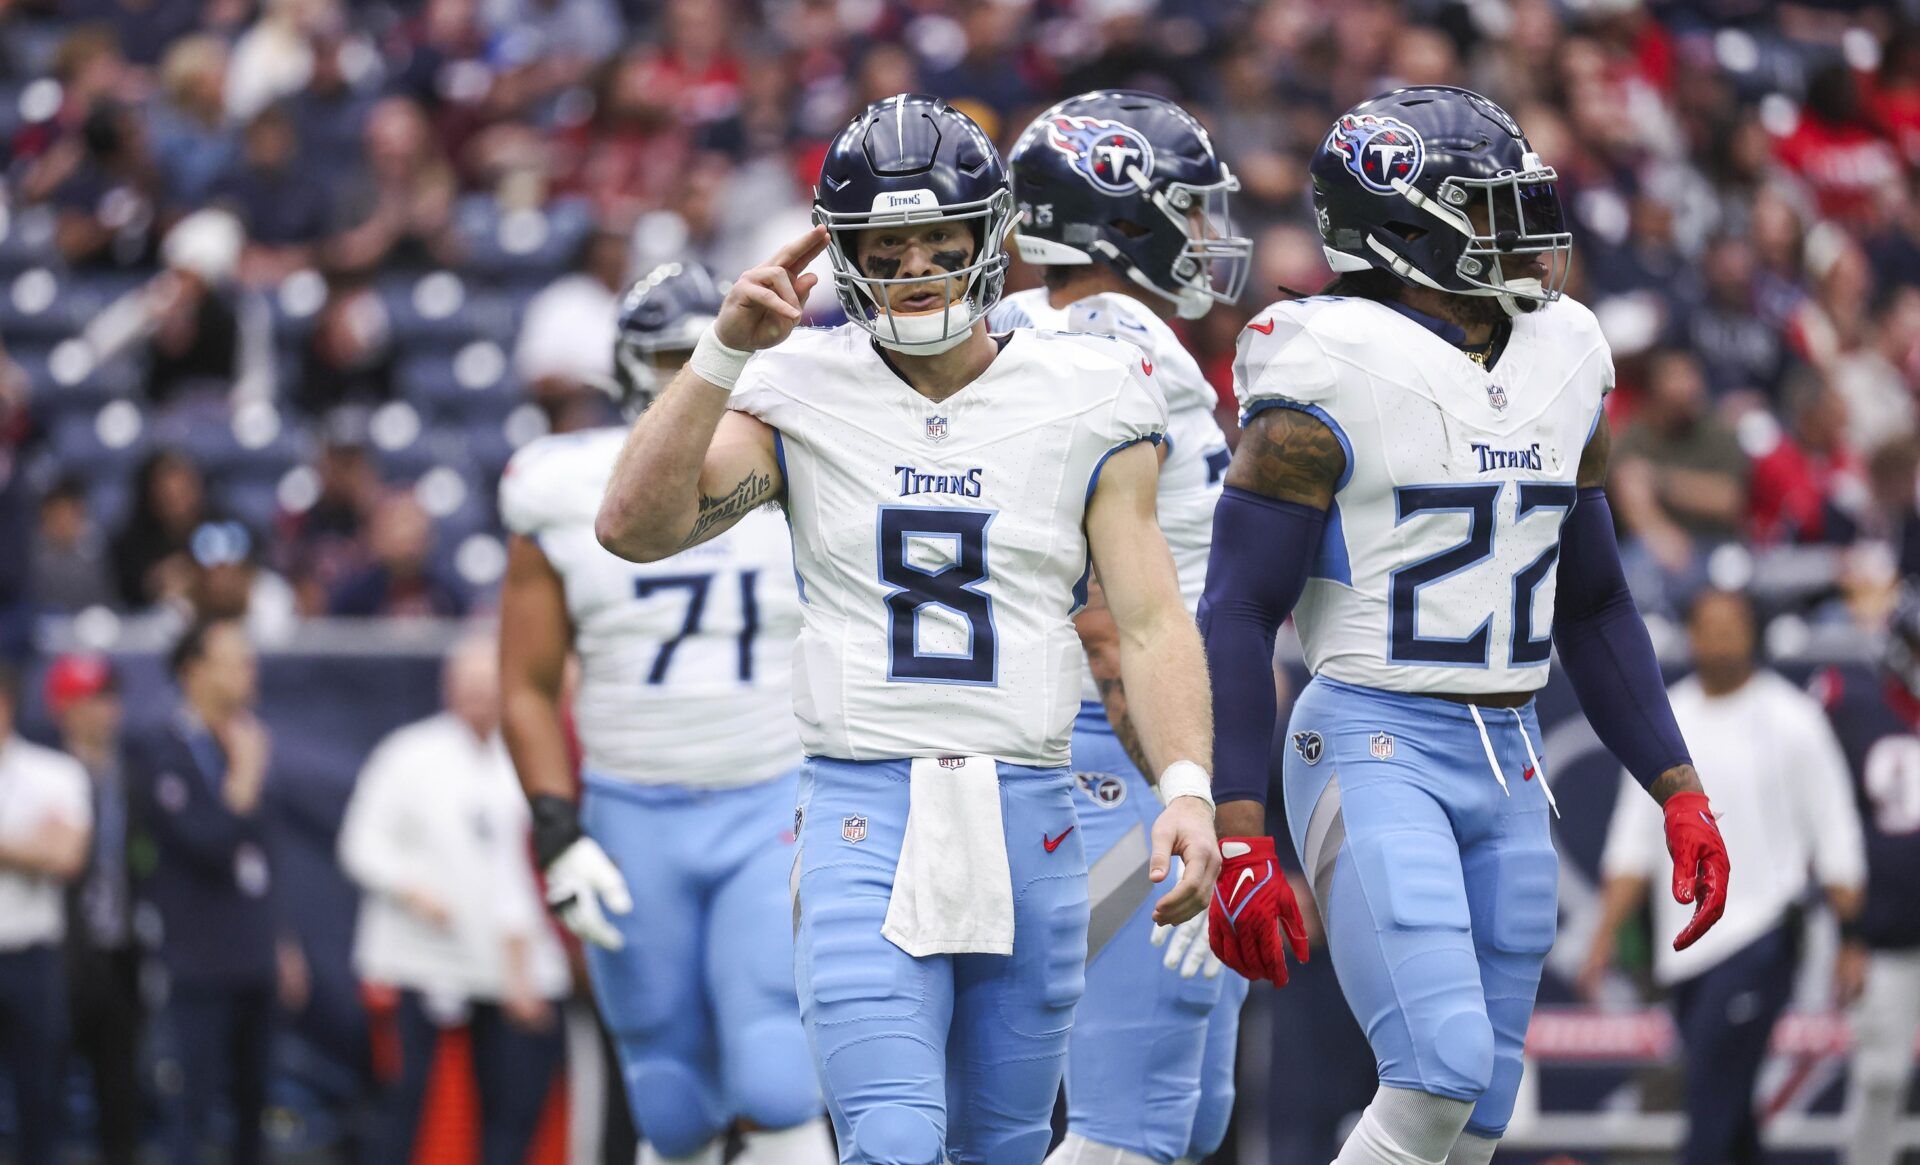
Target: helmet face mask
(1457, 168)
(968, 291)
(1130, 179)
(910, 162)
(1213, 263)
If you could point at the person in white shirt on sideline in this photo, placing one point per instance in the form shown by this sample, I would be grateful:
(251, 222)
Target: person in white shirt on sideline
(436, 834)
(45, 826)
(1772, 766)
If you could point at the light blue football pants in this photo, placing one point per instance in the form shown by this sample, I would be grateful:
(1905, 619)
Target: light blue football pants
(1150, 1066)
(700, 1001)
(958, 1055)
(1438, 887)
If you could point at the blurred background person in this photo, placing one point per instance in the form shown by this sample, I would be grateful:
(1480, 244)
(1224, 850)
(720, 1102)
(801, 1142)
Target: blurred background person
(1680, 481)
(437, 837)
(70, 567)
(82, 695)
(45, 829)
(1875, 711)
(1779, 779)
(402, 578)
(151, 555)
(198, 785)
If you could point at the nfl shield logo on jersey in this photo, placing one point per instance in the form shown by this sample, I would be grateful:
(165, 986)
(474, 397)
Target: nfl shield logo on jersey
(1380, 745)
(854, 828)
(936, 428)
(953, 762)
(1497, 397)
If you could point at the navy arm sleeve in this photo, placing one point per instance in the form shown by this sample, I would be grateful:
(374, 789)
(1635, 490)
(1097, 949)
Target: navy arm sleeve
(1263, 549)
(1605, 649)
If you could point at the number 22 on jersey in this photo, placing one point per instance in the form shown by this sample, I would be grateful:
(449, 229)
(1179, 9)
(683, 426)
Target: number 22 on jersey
(1540, 508)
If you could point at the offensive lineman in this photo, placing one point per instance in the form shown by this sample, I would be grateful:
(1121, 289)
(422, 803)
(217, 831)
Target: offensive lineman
(1421, 446)
(1123, 203)
(689, 772)
(949, 492)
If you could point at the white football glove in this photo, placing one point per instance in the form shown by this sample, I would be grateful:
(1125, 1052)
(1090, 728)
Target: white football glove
(583, 887)
(1188, 950)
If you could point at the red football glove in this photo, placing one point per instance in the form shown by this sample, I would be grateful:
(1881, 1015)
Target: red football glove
(1700, 865)
(1252, 904)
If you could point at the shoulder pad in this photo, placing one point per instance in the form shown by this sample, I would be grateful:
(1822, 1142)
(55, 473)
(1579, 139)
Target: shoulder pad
(1279, 354)
(557, 480)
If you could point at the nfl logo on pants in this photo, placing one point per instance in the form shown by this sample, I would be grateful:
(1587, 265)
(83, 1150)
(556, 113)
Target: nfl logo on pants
(854, 828)
(1380, 745)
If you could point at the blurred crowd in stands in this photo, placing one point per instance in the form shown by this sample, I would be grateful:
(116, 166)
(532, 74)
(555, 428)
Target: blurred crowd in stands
(284, 282)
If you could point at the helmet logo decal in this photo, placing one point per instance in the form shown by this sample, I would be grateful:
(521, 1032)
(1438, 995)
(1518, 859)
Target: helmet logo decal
(1378, 150)
(1102, 151)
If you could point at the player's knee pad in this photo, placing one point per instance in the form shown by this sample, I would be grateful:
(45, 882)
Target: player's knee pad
(774, 1085)
(893, 1134)
(1453, 1054)
(672, 1104)
(1210, 1119)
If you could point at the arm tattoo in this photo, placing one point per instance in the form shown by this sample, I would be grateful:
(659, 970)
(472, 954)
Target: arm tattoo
(718, 511)
(1288, 455)
(1678, 779)
(1593, 459)
(1113, 694)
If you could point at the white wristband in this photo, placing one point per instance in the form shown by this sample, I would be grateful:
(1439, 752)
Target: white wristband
(1183, 778)
(716, 363)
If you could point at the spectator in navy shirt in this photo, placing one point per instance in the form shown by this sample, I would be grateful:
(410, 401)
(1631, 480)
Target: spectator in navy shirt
(197, 788)
(402, 579)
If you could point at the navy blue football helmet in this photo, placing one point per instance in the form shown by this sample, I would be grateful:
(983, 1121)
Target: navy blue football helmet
(1399, 179)
(911, 160)
(661, 318)
(1132, 180)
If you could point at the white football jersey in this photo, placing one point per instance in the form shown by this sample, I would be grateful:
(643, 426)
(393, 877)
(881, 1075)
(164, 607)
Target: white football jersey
(1436, 572)
(1196, 457)
(941, 546)
(685, 664)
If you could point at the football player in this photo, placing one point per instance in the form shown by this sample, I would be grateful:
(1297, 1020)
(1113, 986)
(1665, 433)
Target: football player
(673, 866)
(949, 492)
(1123, 205)
(1877, 718)
(1420, 480)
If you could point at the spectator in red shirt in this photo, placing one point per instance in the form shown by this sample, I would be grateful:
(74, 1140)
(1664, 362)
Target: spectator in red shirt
(1833, 148)
(1804, 481)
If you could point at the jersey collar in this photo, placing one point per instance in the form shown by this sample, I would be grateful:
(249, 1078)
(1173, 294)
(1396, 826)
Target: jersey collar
(1452, 333)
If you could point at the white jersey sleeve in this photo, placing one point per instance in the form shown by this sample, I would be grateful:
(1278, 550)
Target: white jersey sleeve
(1435, 571)
(941, 545)
(685, 664)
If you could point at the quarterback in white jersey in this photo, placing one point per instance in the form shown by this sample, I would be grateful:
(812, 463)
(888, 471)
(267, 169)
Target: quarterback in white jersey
(673, 866)
(949, 493)
(1123, 249)
(1420, 480)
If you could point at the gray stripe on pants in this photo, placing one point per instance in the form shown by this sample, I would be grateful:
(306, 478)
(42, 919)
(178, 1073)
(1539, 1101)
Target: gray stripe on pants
(1116, 886)
(1326, 833)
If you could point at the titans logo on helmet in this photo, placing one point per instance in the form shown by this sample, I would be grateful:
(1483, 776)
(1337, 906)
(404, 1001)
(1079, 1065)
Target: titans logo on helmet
(1102, 151)
(1378, 150)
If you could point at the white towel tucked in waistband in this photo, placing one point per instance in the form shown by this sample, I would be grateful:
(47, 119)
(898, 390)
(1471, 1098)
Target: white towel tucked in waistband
(952, 891)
